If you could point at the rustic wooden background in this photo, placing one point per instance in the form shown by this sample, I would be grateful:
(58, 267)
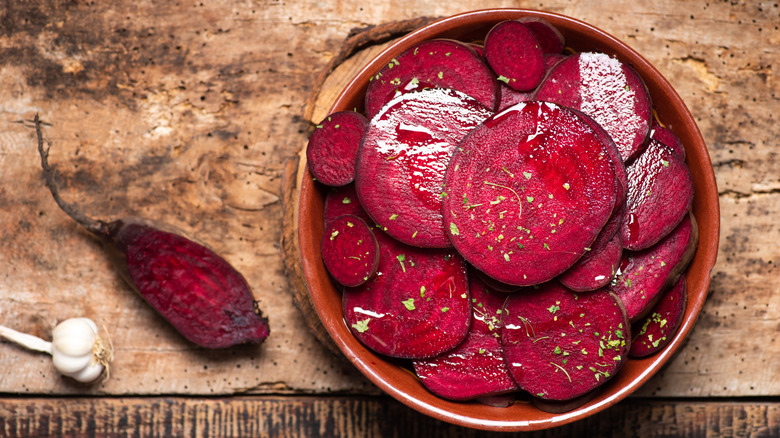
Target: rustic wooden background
(194, 112)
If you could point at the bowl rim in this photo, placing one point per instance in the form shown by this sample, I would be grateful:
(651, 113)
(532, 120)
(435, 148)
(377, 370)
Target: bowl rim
(705, 207)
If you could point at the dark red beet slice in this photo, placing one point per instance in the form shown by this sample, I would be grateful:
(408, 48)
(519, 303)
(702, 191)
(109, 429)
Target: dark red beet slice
(524, 214)
(494, 284)
(656, 330)
(551, 59)
(606, 89)
(515, 55)
(343, 200)
(559, 407)
(660, 193)
(402, 161)
(333, 147)
(597, 270)
(417, 306)
(550, 38)
(669, 138)
(560, 345)
(476, 367)
(350, 250)
(510, 97)
(644, 275)
(434, 63)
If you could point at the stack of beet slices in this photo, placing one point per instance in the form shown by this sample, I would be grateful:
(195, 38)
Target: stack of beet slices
(507, 217)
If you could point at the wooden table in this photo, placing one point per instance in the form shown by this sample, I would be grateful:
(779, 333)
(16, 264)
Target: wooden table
(195, 113)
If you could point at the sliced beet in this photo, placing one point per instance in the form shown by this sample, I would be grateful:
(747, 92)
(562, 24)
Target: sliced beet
(350, 250)
(655, 331)
(606, 89)
(417, 305)
(333, 147)
(527, 192)
(560, 345)
(660, 193)
(343, 200)
(597, 270)
(644, 275)
(438, 63)
(668, 137)
(515, 55)
(551, 59)
(550, 38)
(401, 164)
(476, 367)
(511, 97)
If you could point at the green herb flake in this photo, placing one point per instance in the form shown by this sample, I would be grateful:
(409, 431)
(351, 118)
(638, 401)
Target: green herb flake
(506, 256)
(409, 304)
(527, 175)
(554, 308)
(481, 351)
(444, 309)
(566, 186)
(361, 326)
(401, 258)
(422, 291)
(393, 217)
(454, 229)
(546, 246)
(346, 200)
(503, 79)
(440, 75)
(557, 350)
(334, 234)
(529, 199)
(665, 163)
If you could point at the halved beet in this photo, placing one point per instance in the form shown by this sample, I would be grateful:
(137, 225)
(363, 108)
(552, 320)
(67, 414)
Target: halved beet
(667, 137)
(476, 367)
(644, 275)
(417, 306)
(660, 193)
(527, 192)
(343, 200)
(550, 38)
(333, 147)
(597, 270)
(438, 63)
(560, 345)
(606, 89)
(350, 250)
(515, 55)
(653, 332)
(401, 163)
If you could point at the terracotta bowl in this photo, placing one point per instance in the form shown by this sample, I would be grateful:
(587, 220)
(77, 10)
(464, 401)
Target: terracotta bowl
(397, 380)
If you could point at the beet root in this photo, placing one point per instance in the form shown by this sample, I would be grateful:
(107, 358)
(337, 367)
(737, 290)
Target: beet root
(199, 293)
(333, 147)
(514, 53)
(656, 330)
(350, 250)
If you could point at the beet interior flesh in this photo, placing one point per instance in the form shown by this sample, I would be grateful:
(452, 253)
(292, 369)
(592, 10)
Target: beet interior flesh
(559, 344)
(438, 63)
(606, 89)
(655, 331)
(514, 53)
(527, 193)
(333, 147)
(417, 305)
(595, 269)
(343, 200)
(550, 38)
(350, 250)
(660, 193)
(476, 367)
(668, 137)
(401, 163)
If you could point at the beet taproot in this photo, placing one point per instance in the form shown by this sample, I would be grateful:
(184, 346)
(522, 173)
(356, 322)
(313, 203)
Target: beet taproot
(401, 164)
(417, 305)
(333, 147)
(476, 367)
(349, 250)
(515, 55)
(440, 63)
(560, 345)
(527, 193)
(655, 331)
(199, 293)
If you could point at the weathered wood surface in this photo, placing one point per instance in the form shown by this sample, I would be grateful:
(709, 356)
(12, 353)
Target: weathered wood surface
(189, 111)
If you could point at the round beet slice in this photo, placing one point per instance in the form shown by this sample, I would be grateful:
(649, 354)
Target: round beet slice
(401, 163)
(333, 147)
(559, 344)
(527, 193)
(657, 329)
(350, 250)
(417, 305)
(550, 38)
(440, 63)
(596, 268)
(514, 53)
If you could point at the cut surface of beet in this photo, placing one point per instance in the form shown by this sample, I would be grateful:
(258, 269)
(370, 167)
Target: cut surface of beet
(333, 147)
(515, 55)
(550, 38)
(644, 275)
(417, 305)
(669, 138)
(343, 200)
(559, 344)
(527, 192)
(609, 91)
(597, 270)
(438, 63)
(350, 250)
(401, 163)
(660, 193)
(655, 331)
(476, 367)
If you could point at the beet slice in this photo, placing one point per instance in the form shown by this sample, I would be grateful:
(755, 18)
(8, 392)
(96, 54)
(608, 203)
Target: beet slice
(660, 193)
(439, 63)
(597, 270)
(515, 55)
(644, 275)
(511, 97)
(550, 39)
(527, 192)
(560, 345)
(402, 161)
(417, 306)
(476, 367)
(350, 250)
(606, 89)
(656, 330)
(667, 137)
(333, 147)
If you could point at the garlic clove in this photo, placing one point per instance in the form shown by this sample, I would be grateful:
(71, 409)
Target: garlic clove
(69, 364)
(88, 374)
